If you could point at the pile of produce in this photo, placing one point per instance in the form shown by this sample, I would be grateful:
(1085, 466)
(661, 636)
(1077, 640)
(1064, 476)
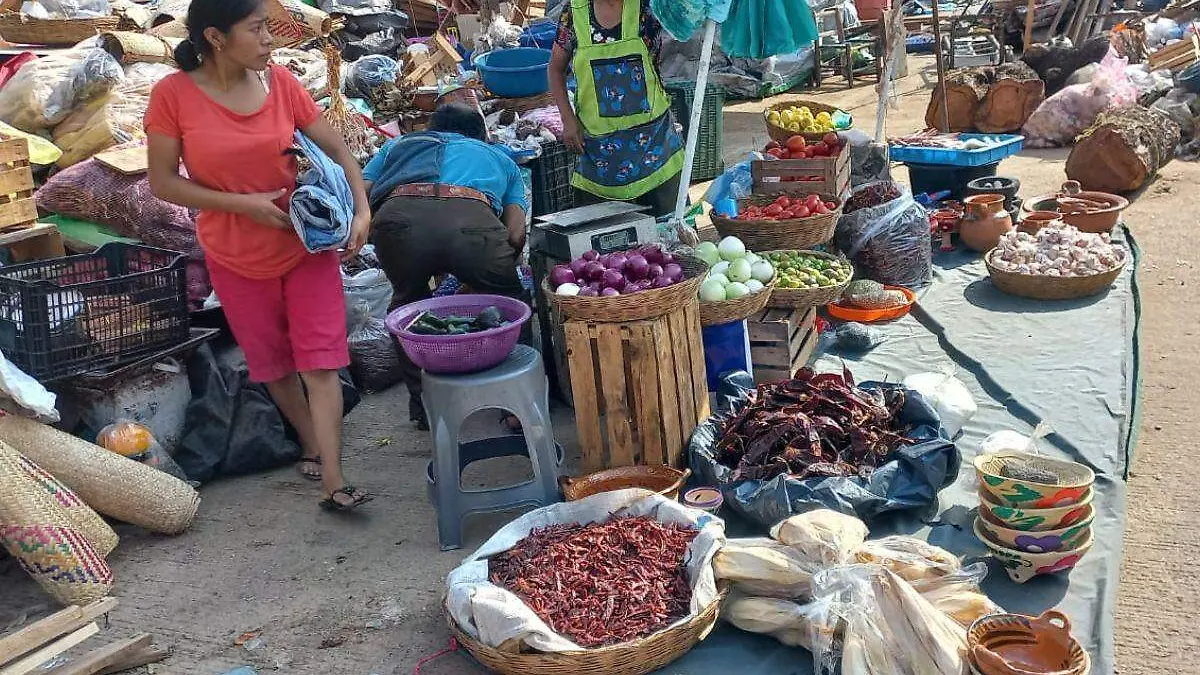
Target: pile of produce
(1057, 252)
(733, 271)
(867, 294)
(603, 583)
(800, 119)
(813, 425)
(620, 273)
(788, 208)
(948, 141)
(430, 324)
(799, 148)
(803, 270)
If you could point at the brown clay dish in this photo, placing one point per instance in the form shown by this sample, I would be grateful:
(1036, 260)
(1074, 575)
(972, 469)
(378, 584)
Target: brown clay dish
(1095, 212)
(1014, 644)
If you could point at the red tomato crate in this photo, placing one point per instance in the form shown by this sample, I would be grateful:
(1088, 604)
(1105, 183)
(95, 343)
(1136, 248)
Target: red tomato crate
(822, 175)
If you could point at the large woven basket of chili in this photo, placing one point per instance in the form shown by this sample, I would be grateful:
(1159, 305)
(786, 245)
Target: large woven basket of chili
(822, 441)
(619, 583)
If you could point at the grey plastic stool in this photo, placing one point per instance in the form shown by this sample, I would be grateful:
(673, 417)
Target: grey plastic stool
(517, 385)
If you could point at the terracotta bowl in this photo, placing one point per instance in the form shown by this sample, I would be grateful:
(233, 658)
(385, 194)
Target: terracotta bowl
(1047, 541)
(1096, 221)
(1032, 481)
(1017, 644)
(1036, 520)
(1036, 220)
(1022, 566)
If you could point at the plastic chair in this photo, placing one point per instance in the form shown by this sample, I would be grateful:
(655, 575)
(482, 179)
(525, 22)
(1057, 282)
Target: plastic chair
(517, 385)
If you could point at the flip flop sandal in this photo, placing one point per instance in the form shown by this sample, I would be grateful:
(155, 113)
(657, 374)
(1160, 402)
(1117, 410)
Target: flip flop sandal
(357, 499)
(310, 460)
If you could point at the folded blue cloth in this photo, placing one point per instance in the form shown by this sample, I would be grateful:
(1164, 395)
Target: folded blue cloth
(322, 207)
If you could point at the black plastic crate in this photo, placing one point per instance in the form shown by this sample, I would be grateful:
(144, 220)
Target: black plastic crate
(72, 315)
(552, 191)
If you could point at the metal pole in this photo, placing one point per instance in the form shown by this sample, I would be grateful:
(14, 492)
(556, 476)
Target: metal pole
(689, 152)
(941, 65)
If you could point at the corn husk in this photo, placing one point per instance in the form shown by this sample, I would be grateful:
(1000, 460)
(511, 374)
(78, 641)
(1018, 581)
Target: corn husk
(911, 558)
(935, 644)
(789, 622)
(823, 536)
(762, 567)
(958, 595)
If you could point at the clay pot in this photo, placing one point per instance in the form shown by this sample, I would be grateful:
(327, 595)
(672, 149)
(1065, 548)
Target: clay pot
(984, 222)
(1000, 185)
(1013, 644)
(1038, 219)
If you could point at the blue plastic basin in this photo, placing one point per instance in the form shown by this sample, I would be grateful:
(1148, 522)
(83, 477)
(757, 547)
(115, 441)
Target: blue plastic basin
(515, 73)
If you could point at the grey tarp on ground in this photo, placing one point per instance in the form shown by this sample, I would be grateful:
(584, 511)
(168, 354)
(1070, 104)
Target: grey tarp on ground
(1073, 364)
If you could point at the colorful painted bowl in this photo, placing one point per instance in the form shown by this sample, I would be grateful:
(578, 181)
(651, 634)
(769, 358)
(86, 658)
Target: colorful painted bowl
(1022, 566)
(1049, 541)
(704, 498)
(1064, 483)
(1036, 520)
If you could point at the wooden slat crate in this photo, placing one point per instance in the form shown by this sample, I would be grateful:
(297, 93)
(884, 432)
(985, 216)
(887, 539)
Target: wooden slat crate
(781, 342)
(832, 174)
(639, 388)
(17, 208)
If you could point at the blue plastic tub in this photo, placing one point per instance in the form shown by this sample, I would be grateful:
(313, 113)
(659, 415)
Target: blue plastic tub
(1010, 144)
(540, 34)
(515, 73)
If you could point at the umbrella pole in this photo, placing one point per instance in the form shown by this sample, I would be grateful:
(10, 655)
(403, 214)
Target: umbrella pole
(689, 152)
(941, 64)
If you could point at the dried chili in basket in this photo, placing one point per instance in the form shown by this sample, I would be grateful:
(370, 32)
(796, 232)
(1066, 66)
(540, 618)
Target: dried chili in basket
(603, 583)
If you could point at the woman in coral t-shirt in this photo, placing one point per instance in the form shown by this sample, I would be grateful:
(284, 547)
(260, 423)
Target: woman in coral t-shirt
(230, 117)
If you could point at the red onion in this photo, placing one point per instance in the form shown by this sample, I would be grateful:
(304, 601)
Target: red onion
(617, 261)
(609, 292)
(636, 267)
(651, 253)
(589, 256)
(594, 285)
(577, 266)
(654, 271)
(634, 287)
(667, 259)
(613, 279)
(593, 271)
(588, 292)
(661, 282)
(561, 274)
(673, 271)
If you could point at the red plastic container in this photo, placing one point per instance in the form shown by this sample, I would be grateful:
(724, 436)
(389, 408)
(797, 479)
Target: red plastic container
(871, 9)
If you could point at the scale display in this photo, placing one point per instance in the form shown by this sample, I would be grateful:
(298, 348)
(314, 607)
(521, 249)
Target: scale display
(619, 240)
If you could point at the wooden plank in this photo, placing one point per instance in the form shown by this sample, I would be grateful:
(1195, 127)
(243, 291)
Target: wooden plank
(34, 231)
(16, 179)
(583, 391)
(30, 663)
(126, 161)
(14, 151)
(699, 370)
(667, 391)
(18, 212)
(99, 659)
(681, 375)
(40, 632)
(45, 245)
(142, 657)
(610, 351)
(644, 368)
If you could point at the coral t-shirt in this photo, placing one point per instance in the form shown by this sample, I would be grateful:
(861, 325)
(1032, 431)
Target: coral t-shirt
(244, 154)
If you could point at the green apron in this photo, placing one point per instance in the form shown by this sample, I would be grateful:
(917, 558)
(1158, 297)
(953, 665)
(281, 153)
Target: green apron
(630, 145)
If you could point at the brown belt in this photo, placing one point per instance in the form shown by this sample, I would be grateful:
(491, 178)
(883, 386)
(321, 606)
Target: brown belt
(440, 191)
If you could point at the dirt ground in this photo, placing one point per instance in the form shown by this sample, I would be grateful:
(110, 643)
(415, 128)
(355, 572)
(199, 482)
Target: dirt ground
(359, 595)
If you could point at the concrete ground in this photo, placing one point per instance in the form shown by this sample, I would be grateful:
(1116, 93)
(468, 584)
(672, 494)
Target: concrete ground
(361, 594)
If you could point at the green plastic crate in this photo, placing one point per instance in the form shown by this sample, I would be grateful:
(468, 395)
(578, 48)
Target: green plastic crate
(709, 162)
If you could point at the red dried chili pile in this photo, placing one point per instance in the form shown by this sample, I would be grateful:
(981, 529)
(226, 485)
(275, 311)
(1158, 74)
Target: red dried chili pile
(603, 583)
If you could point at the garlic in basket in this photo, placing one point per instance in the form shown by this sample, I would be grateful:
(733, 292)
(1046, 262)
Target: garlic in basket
(1057, 252)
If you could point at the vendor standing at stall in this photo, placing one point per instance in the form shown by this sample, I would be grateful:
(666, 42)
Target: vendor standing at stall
(231, 117)
(622, 124)
(446, 202)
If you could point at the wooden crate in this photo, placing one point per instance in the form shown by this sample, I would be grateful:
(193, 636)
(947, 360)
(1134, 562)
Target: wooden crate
(17, 208)
(827, 175)
(639, 388)
(781, 342)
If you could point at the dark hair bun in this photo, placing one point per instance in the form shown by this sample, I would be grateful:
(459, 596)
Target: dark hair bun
(186, 56)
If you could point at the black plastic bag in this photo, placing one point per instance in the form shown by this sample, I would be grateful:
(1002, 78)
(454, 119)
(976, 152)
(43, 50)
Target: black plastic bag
(374, 356)
(232, 426)
(910, 480)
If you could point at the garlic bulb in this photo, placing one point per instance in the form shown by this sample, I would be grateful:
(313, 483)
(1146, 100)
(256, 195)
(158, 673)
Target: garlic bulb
(1057, 252)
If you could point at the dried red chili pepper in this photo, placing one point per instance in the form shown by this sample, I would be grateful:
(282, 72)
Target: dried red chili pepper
(603, 583)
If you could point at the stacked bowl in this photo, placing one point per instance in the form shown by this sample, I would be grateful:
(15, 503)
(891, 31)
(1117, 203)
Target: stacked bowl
(1035, 512)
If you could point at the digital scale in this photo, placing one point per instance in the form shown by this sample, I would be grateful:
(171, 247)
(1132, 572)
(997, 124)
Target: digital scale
(559, 238)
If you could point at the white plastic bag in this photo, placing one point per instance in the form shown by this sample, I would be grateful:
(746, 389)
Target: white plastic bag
(26, 391)
(494, 615)
(1008, 440)
(948, 395)
(370, 286)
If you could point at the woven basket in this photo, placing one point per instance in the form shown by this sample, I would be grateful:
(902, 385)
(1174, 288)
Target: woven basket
(41, 533)
(629, 658)
(524, 105)
(34, 486)
(728, 311)
(27, 30)
(648, 304)
(1041, 287)
(803, 298)
(109, 483)
(769, 235)
(781, 135)
(662, 479)
(129, 47)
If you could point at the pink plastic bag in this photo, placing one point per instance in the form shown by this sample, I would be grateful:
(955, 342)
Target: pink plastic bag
(1060, 118)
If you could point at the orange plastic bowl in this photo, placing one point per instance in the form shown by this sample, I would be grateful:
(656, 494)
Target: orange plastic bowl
(847, 313)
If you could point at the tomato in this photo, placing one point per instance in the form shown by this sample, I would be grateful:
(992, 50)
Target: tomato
(782, 200)
(778, 153)
(773, 210)
(821, 150)
(820, 210)
(802, 212)
(796, 143)
(812, 201)
(772, 146)
(831, 139)
(830, 205)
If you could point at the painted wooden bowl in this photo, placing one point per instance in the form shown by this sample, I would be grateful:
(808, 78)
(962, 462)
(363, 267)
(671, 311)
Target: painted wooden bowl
(1036, 520)
(1022, 566)
(1015, 644)
(1049, 541)
(1032, 481)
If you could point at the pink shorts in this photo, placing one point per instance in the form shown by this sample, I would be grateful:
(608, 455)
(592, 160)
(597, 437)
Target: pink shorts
(296, 323)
